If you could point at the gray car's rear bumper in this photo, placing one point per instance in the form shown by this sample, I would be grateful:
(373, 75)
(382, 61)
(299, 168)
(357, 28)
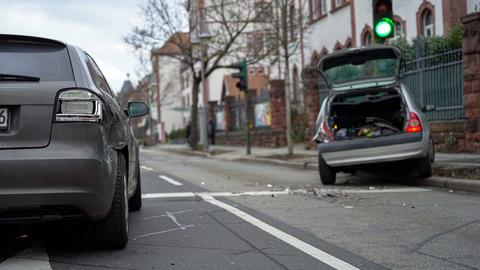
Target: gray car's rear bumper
(378, 150)
(75, 169)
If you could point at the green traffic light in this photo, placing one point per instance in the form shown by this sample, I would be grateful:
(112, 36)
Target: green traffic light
(384, 27)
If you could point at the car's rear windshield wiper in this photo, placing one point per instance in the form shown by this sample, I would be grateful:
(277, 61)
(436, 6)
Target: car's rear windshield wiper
(14, 77)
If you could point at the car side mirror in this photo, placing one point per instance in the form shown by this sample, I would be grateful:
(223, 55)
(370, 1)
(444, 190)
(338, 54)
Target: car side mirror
(429, 108)
(137, 109)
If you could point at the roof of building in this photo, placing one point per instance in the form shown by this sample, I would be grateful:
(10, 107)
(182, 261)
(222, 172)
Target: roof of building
(174, 44)
(127, 86)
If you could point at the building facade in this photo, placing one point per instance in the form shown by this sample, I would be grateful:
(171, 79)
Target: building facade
(170, 95)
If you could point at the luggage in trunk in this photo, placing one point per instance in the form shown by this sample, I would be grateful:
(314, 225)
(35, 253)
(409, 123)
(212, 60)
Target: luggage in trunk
(367, 115)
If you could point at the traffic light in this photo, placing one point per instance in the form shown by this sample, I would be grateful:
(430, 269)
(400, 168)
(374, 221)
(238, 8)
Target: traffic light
(242, 75)
(383, 25)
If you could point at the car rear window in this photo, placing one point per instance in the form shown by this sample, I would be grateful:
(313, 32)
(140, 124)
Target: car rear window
(49, 62)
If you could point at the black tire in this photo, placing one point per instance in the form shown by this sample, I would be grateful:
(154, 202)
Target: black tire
(424, 165)
(135, 202)
(327, 173)
(112, 231)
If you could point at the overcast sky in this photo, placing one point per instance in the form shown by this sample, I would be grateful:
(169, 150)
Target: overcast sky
(97, 26)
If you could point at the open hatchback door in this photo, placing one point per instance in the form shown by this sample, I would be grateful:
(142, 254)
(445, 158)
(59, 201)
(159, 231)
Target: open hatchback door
(361, 68)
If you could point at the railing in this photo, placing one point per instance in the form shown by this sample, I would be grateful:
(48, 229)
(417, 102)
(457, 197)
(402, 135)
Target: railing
(437, 80)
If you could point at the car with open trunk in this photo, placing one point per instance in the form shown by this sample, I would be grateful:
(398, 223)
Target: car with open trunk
(369, 117)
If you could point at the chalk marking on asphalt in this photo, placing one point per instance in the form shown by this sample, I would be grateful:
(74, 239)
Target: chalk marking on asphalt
(146, 168)
(174, 220)
(175, 213)
(170, 180)
(161, 232)
(291, 240)
(33, 258)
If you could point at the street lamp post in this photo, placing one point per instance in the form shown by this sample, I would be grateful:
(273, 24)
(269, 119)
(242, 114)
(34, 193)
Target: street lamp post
(200, 41)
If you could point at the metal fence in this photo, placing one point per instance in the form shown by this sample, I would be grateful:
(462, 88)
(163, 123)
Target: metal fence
(437, 80)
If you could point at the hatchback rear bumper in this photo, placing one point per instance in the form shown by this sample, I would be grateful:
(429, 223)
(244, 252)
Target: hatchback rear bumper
(366, 151)
(75, 170)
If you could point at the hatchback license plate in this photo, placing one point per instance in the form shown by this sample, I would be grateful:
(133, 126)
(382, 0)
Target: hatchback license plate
(3, 118)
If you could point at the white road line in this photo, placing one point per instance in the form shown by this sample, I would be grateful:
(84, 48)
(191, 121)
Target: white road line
(295, 242)
(367, 191)
(168, 195)
(269, 193)
(32, 258)
(170, 180)
(214, 194)
(146, 168)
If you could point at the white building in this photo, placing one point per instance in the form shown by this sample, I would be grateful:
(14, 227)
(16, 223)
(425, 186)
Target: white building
(323, 26)
(167, 67)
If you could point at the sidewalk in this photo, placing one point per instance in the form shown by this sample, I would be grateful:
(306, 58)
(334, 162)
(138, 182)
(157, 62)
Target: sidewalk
(455, 171)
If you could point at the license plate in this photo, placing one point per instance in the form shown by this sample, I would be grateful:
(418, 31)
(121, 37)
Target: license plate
(3, 118)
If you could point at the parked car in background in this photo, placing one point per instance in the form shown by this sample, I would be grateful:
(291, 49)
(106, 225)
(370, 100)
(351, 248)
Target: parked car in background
(369, 117)
(66, 146)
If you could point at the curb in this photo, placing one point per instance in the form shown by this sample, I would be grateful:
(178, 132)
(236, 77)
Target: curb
(435, 181)
(451, 183)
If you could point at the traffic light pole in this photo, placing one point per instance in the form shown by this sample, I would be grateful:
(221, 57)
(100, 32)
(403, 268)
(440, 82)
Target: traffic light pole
(242, 85)
(247, 124)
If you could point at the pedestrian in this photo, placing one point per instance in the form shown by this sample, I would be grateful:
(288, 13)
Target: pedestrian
(211, 132)
(188, 131)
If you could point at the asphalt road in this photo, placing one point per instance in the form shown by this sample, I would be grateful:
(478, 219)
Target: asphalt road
(209, 214)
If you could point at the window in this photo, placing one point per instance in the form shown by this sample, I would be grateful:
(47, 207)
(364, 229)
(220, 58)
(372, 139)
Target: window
(323, 7)
(338, 3)
(258, 43)
(97, 76)
(295, 83)
(49, 62)
(428, 24)
(292, 17)
(263, 10)
(367, 39)
(398, 29)
(318, 9)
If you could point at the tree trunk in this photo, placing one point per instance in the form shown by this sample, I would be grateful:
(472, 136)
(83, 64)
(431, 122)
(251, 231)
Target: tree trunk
(288, 109)
(193, 115)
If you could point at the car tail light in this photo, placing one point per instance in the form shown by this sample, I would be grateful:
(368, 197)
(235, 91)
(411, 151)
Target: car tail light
(414, 124)
(79, 105)
(328, 134)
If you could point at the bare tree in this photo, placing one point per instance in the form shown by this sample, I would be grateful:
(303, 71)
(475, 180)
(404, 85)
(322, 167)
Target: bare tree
(287, 22)
(227, 20)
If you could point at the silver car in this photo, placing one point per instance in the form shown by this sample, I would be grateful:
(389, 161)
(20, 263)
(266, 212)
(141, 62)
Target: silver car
(66, 147)
(369, 117)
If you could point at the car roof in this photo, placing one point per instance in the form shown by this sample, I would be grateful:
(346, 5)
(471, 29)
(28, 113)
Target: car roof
(36, 39)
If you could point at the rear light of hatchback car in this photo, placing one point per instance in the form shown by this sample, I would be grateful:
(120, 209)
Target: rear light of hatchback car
(325, 134)
(79, 105)
(414, 124)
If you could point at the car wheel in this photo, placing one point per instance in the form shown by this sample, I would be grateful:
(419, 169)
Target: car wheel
(112, 231)
(424, 165)
(431, 150)
(327, 173)
(135, 202)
